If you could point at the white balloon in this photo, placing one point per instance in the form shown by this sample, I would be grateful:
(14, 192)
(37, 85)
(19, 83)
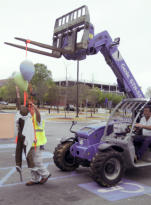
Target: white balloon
(27, 69)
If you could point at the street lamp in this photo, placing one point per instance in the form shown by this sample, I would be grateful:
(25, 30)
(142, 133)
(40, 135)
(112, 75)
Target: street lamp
(66, 85)
(77, 104)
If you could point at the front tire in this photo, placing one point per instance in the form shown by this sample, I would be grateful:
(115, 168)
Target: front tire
(63, 158)
(107, 168)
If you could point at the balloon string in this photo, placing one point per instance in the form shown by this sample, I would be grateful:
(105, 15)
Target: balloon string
(35, 137)
(27, 41)
(26, 49)
(25, 93)
(30, 91)
(25, 97)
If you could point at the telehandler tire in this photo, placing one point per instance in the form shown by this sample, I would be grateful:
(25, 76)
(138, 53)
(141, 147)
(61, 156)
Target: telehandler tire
(63, 159)
(107, 168)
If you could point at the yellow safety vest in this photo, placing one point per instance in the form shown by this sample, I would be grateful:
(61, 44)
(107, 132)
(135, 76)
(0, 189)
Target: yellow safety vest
(40, 133)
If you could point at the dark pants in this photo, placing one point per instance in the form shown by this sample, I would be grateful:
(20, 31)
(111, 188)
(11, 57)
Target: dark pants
(20, 147)
(145, 142)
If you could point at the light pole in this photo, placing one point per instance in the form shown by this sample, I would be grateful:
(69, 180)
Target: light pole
(66, 86)
(77, 106)
(66, 77)
(66, 90)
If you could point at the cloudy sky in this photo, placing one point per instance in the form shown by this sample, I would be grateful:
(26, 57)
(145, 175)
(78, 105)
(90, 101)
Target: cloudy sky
(34, 19)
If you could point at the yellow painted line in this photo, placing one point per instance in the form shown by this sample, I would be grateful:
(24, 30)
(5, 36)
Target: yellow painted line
(81, 114)
(77, 119)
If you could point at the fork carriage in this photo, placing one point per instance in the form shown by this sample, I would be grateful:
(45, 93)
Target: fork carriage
(65, 36)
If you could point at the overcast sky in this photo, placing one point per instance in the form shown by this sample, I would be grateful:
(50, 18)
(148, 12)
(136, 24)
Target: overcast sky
(34, 19)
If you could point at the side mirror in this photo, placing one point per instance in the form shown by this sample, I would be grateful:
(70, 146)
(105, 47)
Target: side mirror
(74, 122)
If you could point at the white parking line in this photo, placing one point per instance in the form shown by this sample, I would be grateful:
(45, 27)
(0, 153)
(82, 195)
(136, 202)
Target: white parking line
(11, 171)
(6, 146)
(5, 178)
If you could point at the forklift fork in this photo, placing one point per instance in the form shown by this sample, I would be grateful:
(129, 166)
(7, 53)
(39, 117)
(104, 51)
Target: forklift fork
(65, 35)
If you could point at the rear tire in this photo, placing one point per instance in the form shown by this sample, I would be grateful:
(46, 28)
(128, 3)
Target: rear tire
(107, 168)
(63, 159)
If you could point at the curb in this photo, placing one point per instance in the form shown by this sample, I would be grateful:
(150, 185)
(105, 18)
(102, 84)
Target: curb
(76, 119)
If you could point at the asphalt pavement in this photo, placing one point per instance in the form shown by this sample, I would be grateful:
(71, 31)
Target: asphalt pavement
(66, 188)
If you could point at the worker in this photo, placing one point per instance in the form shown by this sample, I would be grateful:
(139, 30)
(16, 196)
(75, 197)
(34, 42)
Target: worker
(145, 138)
(39, 173)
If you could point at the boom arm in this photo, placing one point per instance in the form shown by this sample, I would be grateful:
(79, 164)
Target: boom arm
(102, 42)
(65, 42)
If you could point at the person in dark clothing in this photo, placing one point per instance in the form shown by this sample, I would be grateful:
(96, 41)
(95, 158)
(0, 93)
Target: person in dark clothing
(20, 147)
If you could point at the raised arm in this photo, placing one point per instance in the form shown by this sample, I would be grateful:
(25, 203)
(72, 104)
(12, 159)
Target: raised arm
(38, 116)
(18, 98)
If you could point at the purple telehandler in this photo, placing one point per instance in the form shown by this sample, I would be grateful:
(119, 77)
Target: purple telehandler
(107, 147)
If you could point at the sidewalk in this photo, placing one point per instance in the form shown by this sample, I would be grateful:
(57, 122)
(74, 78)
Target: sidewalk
(7, 121)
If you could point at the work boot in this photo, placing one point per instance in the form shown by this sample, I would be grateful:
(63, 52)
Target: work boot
(44, 180)
(31, 183)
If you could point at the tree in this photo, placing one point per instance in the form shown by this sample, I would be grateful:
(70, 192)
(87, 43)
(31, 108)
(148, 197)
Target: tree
(41, 82)
(72, 94)
(8, 91)
(93, 98)
(41, 74)
(3, 92)
(115, 98)
(11, 90)
(53, 95)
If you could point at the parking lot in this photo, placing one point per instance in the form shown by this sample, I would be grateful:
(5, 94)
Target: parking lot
(76, 187)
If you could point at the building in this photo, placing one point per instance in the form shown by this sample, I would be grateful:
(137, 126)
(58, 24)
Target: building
(104, 87)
